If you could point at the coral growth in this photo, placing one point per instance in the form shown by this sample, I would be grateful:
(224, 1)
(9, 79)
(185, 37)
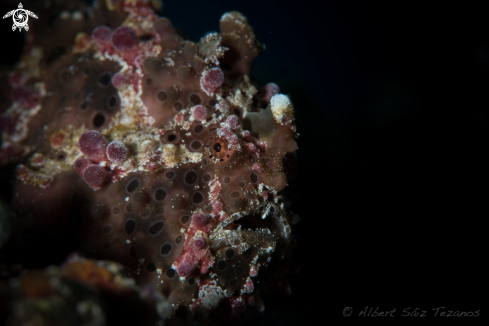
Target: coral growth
(171, 158)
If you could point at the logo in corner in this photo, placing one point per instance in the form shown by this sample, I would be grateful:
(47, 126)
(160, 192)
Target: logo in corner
(20, 17)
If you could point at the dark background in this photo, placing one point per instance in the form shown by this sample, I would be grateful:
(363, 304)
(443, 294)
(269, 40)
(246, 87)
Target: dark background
(391, 101)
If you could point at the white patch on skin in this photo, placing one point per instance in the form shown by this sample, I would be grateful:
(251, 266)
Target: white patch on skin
(211, 295)
(282, 108)
(241, 93)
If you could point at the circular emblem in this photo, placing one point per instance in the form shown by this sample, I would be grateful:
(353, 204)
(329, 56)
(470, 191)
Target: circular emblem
(20, 17)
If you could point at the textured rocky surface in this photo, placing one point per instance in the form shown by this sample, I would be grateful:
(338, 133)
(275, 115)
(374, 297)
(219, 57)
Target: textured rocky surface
(170, 160)
(82, 292)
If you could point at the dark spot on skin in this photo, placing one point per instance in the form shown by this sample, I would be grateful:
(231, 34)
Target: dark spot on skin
(191, 177)
(156, 228)
(170, 273)
(253, 178)
(133, 185)
(160, 194)
(197, 198)
(166, 249)
(195, 99)
(196, 145)
(105, 79)
(161, 96)
(177, 105)
(130, 226)
(112, 101)
(98, 120)
(230, 253)
(145, 37)
(225, 66)
(222, 265)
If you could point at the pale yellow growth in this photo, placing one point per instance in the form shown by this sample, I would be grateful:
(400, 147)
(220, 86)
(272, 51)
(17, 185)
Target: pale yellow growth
(130, 104)
(142, 145)
(282, 108)
(34, 177)
(70, 147)
(145, 146)
(211, 49)
(50, 166)
(174, 155)
(243, 93)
